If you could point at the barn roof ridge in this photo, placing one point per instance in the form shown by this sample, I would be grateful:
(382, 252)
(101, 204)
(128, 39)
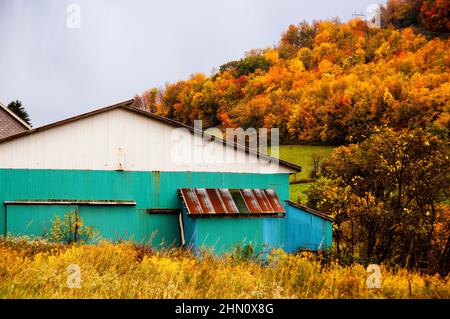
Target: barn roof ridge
(127, 105)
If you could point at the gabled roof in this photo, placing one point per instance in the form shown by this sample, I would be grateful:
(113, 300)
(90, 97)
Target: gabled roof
(15, 117)
(127, 105)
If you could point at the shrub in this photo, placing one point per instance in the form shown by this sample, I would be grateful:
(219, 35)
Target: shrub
(245, 253)
(71, 229)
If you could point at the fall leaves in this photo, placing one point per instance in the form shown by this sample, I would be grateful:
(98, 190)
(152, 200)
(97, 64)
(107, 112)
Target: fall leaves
(386, 195)
(325, 82)
(431, 14)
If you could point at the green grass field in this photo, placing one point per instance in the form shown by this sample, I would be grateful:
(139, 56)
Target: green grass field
(297, 192)
(302, 155)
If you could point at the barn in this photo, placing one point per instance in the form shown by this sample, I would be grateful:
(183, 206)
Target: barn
(125, 172)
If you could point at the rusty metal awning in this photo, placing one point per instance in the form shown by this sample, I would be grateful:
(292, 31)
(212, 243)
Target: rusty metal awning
(225, 201)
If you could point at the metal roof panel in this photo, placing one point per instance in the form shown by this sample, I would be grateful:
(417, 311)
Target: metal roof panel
(217, 201)
(191, 201)
(274, 201)
(224, 201)
(251, 201)
(204, 201)
(228, 201)
(263, 202)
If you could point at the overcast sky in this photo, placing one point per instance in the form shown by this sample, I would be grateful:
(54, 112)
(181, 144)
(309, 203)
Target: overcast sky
(124, 47)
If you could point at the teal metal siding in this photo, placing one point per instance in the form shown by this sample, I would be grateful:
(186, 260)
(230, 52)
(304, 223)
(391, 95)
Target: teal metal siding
(306, 231)
(224, 233)
(34, 219)
(147, 189)
(124, 226)
(160, 229)
(299, 229)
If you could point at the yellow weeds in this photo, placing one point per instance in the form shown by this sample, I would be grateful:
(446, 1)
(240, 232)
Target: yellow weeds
(122, 271)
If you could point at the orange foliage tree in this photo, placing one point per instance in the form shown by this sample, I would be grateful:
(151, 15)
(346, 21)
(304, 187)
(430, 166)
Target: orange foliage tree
(326, 82)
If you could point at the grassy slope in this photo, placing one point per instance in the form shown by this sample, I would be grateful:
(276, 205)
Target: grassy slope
(297, 192)
(301, 155)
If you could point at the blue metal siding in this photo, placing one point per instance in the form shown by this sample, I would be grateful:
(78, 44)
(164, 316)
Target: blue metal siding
(306, 231)
(224, 233)
(190, 229)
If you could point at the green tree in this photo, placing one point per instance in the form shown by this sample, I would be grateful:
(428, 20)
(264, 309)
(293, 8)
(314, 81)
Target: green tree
(71, 229)
(247, 65)
(19, 110)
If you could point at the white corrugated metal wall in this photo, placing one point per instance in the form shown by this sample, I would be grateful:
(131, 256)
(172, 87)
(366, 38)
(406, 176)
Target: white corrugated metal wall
(120, 139)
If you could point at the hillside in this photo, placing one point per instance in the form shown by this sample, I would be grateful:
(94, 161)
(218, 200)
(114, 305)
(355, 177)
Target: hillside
(326, 82)
(382, 94)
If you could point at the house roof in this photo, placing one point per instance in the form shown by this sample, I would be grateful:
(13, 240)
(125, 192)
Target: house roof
(127, 105)
(310, 210)
(15, 117)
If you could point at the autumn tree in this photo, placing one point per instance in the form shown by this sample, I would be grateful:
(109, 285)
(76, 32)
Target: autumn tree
(386, 194)
(296, 37)
(401, 13)
(138, 102)
(430, 14)
(326, 82)
(435, 15)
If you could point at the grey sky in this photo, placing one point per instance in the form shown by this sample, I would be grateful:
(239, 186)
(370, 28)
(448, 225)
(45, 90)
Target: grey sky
(124, 47)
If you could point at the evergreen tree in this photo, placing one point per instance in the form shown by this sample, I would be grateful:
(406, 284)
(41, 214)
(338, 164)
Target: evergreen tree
(19, 110)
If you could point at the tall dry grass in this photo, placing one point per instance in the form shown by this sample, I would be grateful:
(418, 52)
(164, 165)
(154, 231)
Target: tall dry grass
(37, 269)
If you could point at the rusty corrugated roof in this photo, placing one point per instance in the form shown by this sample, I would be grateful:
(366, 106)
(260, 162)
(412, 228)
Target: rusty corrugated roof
(224, 201)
